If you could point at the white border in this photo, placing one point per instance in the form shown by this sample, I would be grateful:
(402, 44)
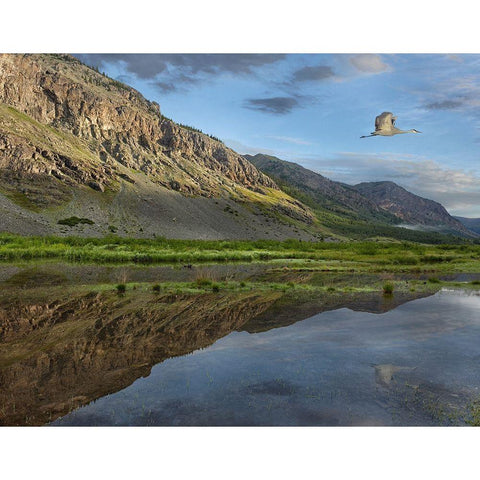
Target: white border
(246, 26)
(231, 453)
(338, 26)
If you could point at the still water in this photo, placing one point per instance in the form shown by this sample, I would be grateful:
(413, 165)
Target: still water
(417, 363)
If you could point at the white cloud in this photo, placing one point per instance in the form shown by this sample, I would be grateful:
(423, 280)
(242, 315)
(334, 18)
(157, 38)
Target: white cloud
(295, 141)
(369, 63)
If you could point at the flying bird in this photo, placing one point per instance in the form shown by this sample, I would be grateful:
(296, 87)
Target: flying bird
(385, 126)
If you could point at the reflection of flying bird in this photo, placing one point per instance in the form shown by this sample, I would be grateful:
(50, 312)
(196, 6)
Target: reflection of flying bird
(385, 126)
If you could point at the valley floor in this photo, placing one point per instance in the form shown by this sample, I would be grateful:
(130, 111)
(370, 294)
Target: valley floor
(289, 255)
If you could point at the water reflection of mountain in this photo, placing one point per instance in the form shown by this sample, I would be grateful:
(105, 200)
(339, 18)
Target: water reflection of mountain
(283, 312)
(61, 348)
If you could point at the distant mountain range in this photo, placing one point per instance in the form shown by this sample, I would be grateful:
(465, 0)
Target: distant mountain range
(373, 202)
(83, 154)
(410, 208)
(473, 224)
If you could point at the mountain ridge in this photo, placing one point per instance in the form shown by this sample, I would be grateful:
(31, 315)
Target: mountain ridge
(335, 196)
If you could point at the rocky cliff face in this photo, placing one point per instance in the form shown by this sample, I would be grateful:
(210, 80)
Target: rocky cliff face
(120, 126)
(65, 124)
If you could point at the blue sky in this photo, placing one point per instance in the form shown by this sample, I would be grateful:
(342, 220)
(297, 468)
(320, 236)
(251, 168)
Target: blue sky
(312, 109)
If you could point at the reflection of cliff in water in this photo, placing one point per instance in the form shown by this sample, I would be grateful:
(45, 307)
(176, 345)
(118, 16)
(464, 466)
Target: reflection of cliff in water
(60, 349)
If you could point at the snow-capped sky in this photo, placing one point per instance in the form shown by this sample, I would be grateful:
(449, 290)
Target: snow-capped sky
(312, 109)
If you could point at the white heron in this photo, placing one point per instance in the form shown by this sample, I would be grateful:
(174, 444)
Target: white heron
(385, 126)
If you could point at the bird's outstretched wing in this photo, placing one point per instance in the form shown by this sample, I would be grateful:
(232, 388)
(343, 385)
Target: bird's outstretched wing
(385, 121)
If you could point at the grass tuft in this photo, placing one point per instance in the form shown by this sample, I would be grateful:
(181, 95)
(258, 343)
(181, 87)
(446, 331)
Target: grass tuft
(388, 289)
(203, 282)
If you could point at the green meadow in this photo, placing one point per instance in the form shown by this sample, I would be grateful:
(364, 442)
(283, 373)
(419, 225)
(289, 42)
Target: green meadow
(378, 256)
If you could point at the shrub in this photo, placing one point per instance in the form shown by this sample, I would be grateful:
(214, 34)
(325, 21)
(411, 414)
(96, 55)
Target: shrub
(367, 249)
(72, 221)
(203, 282)
(404, 260)
(242, 284)
(156, 288)
(215, 287)
(388, 288)
(121, 288)
(142, 258)
(475, 282)
(433, 280)
(437, 258)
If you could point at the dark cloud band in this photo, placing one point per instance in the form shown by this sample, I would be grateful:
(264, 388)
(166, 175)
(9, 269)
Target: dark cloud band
(320, 72)
(148, 66)
(444, 105)
(275, 105)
